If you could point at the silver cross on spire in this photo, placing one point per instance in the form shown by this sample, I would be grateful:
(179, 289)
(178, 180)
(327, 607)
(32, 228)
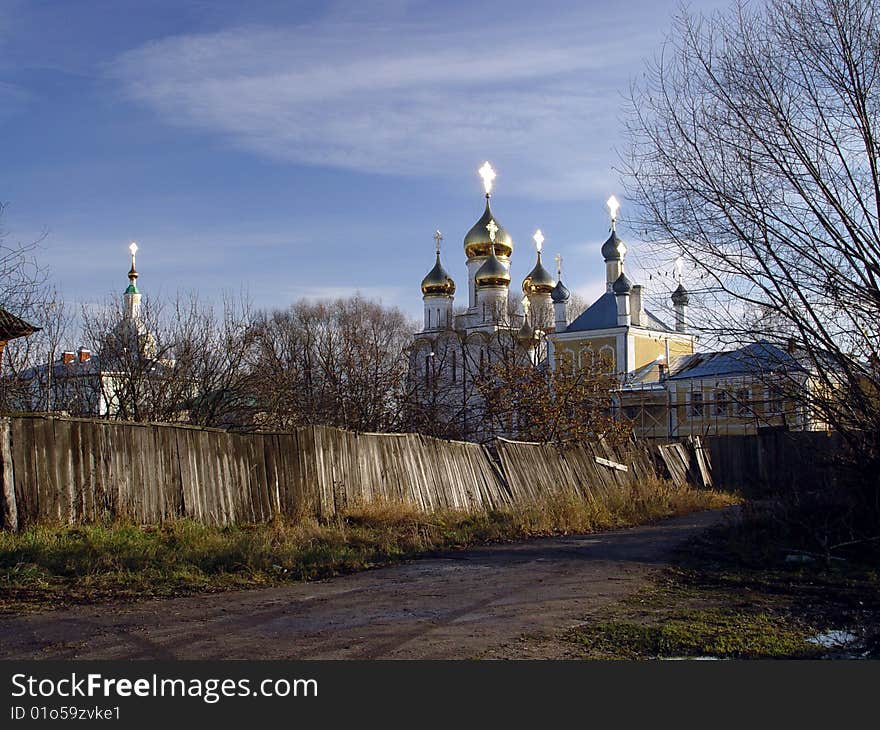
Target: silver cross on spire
(438, 237)
(613, 207)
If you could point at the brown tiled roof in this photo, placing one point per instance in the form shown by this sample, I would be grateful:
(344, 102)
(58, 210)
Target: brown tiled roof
(12, 327)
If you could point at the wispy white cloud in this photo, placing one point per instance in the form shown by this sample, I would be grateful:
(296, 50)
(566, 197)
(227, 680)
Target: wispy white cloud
(387, 295)
(400, 98)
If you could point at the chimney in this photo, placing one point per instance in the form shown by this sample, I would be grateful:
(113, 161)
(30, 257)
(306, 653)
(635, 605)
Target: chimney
(67, 357)
(84, 354)
(637, 305)
(791, 346)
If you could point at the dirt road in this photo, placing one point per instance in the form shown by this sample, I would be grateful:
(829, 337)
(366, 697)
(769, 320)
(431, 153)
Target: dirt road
(494, 601)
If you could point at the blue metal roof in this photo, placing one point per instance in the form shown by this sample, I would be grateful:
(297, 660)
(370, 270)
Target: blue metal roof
(602, 314)
(758, 357)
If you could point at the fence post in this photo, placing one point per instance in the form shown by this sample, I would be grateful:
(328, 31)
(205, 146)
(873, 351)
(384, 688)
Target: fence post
(7, 479)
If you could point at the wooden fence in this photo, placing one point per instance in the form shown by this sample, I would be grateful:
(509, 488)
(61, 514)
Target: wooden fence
(585, 470)
(70, 471)
(776, 461)
(687, 461)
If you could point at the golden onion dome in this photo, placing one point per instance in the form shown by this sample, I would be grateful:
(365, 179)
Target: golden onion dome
(438, 281)
(477, 241)
(492, 272)
(526, 333)
(538, 280)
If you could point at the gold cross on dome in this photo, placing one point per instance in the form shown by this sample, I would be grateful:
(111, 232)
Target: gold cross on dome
(492, 227)
(438, 237)
(559, 266)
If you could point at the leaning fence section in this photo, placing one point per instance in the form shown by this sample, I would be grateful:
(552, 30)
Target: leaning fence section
(585, 470)
(71, 471)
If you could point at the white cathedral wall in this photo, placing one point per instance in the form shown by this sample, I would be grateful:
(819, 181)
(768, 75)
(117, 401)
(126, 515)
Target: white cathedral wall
(438, 312)
(472, 266)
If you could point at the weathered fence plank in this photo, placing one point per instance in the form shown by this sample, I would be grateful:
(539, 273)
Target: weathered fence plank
(8, 504)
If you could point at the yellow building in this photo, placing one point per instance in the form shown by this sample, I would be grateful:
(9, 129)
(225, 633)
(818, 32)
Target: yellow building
(667, 389)
(618, 328)
(733, 392)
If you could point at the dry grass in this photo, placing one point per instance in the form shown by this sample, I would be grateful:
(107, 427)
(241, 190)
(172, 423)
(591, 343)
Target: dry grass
(56, 565)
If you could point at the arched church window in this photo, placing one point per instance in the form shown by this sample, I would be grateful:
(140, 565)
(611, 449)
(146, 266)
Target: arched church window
(588, 357)
(454, 366)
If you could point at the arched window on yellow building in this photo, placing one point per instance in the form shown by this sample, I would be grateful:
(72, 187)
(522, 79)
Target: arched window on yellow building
(606, 358)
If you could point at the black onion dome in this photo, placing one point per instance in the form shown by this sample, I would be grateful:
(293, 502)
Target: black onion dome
(613, 249)
(680, 295)
(622, 285)
(560, 292)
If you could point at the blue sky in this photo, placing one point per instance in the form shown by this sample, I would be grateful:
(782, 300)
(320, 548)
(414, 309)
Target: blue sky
(311, 149)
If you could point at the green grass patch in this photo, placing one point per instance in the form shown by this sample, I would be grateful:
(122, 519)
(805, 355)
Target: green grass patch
(51, 566)
(713, 632)
(730, 596)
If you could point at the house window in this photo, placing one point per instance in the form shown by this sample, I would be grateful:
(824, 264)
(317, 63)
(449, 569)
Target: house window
(721, 402)
(743, 405)
(697, 405)
(774, 402)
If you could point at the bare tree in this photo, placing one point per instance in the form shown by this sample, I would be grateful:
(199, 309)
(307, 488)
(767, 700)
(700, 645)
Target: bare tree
(179, 360)
(340, 363)
(24, 292)
(755, 146)
(212, 347)
(22, 277)
(527, 398)
(29, 363)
